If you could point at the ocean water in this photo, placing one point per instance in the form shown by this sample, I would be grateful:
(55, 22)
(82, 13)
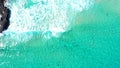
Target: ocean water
(62, 34)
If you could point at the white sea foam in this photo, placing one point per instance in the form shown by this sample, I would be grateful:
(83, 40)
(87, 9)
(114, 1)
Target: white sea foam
(48, 16)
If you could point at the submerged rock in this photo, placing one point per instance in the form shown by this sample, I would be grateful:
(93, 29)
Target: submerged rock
(4, 16)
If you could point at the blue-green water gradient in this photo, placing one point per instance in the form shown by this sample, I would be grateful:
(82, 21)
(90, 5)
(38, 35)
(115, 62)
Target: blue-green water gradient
(62, 34)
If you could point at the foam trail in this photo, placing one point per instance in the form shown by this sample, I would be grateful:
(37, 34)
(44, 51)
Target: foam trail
(49, 17)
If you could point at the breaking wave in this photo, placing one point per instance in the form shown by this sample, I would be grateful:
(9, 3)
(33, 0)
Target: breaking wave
(49, 18)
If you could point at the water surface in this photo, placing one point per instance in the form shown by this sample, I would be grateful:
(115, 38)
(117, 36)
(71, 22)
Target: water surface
(62, 34)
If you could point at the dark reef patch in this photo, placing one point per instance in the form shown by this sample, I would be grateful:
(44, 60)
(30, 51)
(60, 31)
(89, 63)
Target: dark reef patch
(4, 16)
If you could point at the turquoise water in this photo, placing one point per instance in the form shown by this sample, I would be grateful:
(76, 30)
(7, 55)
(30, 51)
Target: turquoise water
(62, 34)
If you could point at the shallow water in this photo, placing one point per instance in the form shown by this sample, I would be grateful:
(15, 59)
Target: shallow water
(62, 34)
